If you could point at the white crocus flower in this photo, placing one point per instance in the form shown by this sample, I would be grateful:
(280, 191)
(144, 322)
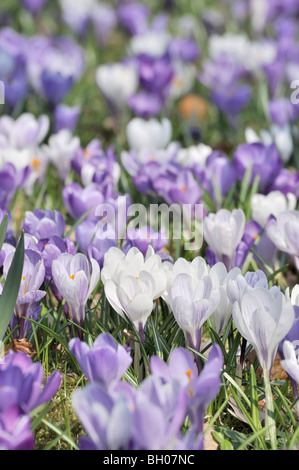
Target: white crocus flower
(194, 155)
(151, 134)
(132, 282)
(191, 296)
(220, 279)
(117, 82)
(151, 43)
(61, 149)
(284, 234)
(223, 232)
(275, 202)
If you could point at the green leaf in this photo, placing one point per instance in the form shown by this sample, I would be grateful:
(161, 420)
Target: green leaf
(11, 287)
(3, 228)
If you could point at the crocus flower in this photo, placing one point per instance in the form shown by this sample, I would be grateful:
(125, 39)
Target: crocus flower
(201, 389)
(77, 16)
(263, 318)
(32, 278)
(290, 362)
(75, 278)
(117, 82)
(265, 160)
(132, 282)
(192, 302)
(66, 117)
(15, 431)
(151, 43)
(61, 149)
(143, 237)
(223, 231)
(149, 134)
(34, 6)
(11, 179)
(79, 200)
(283, 233)
(128, 419)
(220, 279)
(54, 65)
(44, 223)
(133, 16)
(106, 362)
(273, 203)
(104, 19)
(51, 248)
(21, 384)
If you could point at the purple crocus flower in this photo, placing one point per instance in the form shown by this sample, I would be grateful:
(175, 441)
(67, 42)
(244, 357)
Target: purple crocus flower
(250, 236)
(155, 74)
(143, 237)
(126, 419)
(104, 19)
(33, 313)
(44, 223)
(15, 430)
(145, 104)
(21, 384)
(11, 179)
(184, 49)
(201, 389)
(55, 85)
(98, 248)
(218, 175)
(75, 277)
(34, 6)
(79, 200)
(106, 362)
(66, 117)
(51, 248)
(183, 189)
(133, 16)
(265, 160)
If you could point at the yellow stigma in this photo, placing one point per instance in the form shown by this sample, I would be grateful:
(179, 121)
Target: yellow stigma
(137, 278)
(35, 164)
(72, 276)
(183, 188)
(24, 278)
(190, 390)
(255, 236)
(87, 154)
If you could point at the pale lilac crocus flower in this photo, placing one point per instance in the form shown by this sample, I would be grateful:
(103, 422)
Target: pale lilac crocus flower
(284, 234)
(264, 317)
(76, 278)
(223, 232)
(191, 296)
(32, 278)
(290, 363)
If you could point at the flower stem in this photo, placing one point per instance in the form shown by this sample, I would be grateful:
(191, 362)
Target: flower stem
(269, 419)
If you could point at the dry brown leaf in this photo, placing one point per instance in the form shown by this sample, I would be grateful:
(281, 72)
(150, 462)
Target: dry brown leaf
(209, 441)
(21, 345)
